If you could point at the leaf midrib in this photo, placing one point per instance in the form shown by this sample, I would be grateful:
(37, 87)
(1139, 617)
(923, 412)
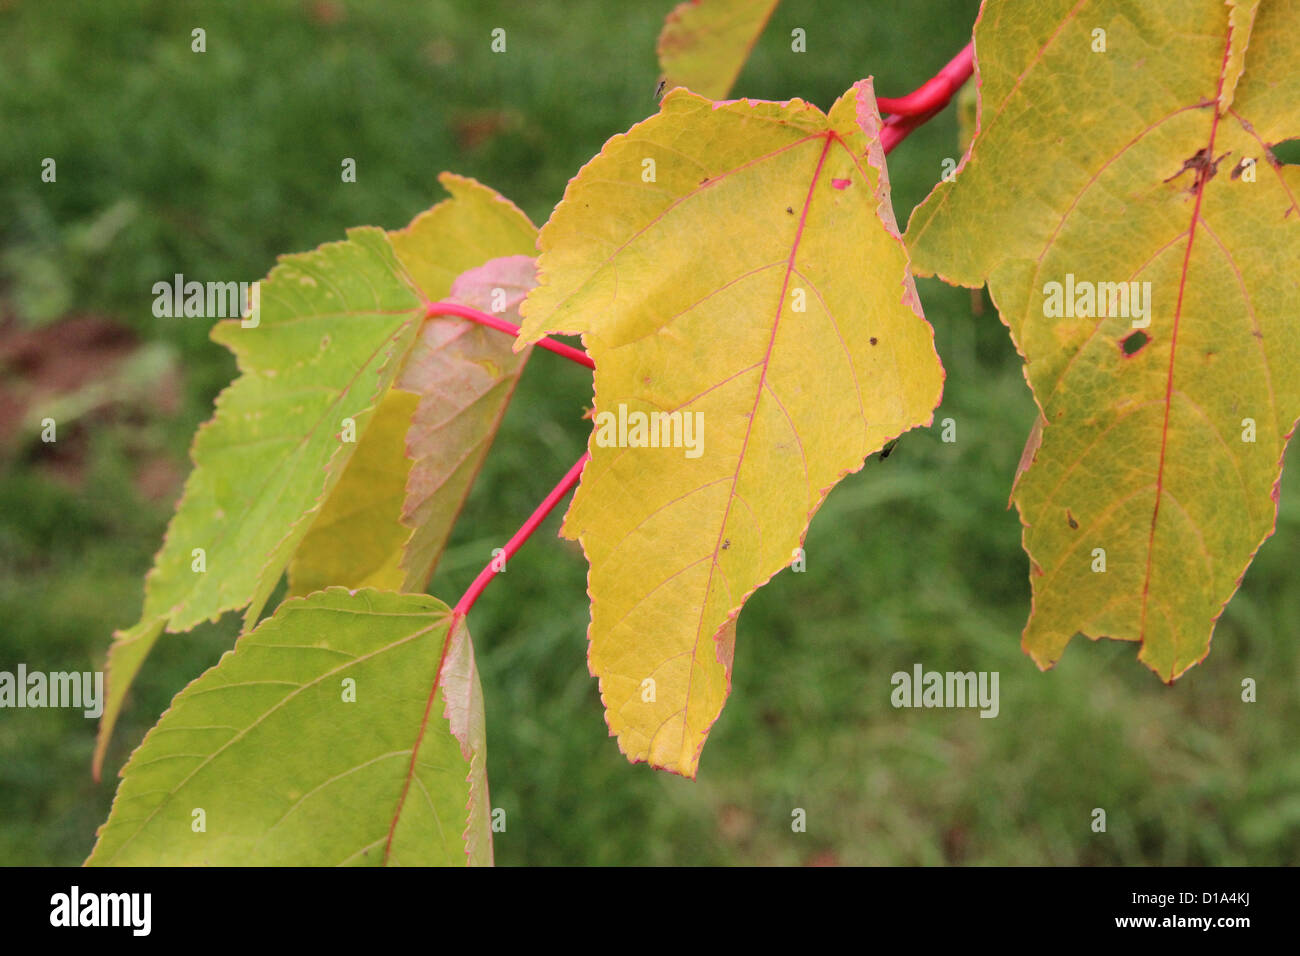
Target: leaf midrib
(830, 137)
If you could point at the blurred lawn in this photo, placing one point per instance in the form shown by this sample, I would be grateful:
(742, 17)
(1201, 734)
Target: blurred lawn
(211, 165)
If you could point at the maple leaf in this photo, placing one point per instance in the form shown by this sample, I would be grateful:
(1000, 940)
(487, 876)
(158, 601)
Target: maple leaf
(705, 43)
(388, 520)
(346, 729)
(335, 327)
(757, 287)
(1150, 284)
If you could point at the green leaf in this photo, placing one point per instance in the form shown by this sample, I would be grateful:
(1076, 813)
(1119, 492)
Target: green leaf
(390, 516)
(1152, 476)
(347, 729)
(705, 43)
(759, 291)
(336, 325)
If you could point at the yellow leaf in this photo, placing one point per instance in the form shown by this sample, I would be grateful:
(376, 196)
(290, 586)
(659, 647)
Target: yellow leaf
(1141, 243)
(758, 291)
(705, 43)
(1241, 20)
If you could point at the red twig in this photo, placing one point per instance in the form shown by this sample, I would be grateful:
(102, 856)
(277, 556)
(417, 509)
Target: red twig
(513, 545)
(934, 93)
(502, 325)
(897, 127)
(910, 111)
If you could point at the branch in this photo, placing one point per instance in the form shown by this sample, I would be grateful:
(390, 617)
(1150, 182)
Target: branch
(502, 325)
(513, 545)
(934, 93)
(910, 111)
(897, 127)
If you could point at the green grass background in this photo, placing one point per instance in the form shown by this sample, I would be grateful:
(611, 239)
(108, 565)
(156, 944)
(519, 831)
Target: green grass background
(211, 165)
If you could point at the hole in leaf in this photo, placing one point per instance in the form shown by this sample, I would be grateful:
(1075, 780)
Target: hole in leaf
(1133, 342)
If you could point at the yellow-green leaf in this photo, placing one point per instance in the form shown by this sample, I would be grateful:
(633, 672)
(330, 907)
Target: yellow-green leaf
(335, 326)
(705, 43)
(758, 286)
(1165, 411)
(967, 115)
(389, 517)
(357, 538)
(347, 729)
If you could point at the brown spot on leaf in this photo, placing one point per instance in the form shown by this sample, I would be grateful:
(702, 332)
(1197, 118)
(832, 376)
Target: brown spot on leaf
(1202, 166)
(1196, 162)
